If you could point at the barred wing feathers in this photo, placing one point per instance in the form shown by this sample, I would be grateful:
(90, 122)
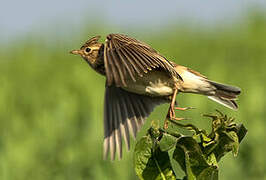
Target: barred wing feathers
(125, 56)
(124, 114)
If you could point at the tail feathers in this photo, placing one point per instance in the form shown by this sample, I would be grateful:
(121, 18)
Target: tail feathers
(225, 95)
(226, 91)
(227, 103)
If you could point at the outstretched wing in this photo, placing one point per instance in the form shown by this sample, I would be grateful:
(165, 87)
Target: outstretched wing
(128, 57)
(124, 114)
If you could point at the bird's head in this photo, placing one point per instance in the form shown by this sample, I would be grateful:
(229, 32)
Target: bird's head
(91, 51)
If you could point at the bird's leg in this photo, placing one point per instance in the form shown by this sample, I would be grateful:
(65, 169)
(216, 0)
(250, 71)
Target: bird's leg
(172, 105)
(171, 110)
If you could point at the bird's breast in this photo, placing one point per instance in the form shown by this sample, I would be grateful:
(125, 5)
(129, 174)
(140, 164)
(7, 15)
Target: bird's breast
(153, 83)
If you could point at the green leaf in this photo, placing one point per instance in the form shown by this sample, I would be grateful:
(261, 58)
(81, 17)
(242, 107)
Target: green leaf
(167, 142)
(226, 135)
(234, 144)
(211, 160)
(210, 173)
(228, 141)
(241, 132)
(191, 159)
(151, 162)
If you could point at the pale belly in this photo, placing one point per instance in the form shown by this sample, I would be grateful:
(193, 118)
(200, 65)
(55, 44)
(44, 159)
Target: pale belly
(154, 83)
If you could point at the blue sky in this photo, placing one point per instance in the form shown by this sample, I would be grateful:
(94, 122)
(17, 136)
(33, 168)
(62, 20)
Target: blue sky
(19, 17)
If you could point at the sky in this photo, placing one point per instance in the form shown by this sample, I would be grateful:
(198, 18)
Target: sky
(19, 17)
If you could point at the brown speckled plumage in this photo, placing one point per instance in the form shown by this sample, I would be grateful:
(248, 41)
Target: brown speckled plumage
(138, 79)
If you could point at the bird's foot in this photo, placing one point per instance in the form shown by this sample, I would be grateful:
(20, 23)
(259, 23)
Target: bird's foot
(184, 109)
(171, 115)
(179, 118)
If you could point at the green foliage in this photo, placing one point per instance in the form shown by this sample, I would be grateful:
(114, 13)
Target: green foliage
(152, 163)
(199, 160)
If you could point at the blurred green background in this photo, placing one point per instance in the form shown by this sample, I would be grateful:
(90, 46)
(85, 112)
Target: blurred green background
(51, 103)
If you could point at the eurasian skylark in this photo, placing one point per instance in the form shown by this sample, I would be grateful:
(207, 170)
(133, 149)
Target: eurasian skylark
(138, 79)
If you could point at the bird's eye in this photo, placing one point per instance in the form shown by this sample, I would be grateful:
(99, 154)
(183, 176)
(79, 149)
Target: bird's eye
(88, 49)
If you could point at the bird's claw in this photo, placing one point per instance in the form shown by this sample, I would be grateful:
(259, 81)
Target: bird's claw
(180, 118)
(184, 109)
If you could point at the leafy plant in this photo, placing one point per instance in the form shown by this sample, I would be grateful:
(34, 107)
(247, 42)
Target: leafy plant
(197, 155)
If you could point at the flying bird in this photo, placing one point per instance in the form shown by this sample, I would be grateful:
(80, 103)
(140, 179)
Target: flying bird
(138, 78)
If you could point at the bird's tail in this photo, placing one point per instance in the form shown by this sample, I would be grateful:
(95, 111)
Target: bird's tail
(194, 82)
(225, 94)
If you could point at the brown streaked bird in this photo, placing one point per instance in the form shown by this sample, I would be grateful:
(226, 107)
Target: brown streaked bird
(138, 79)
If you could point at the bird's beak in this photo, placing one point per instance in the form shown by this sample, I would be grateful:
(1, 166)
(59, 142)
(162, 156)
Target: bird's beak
(76, 52)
